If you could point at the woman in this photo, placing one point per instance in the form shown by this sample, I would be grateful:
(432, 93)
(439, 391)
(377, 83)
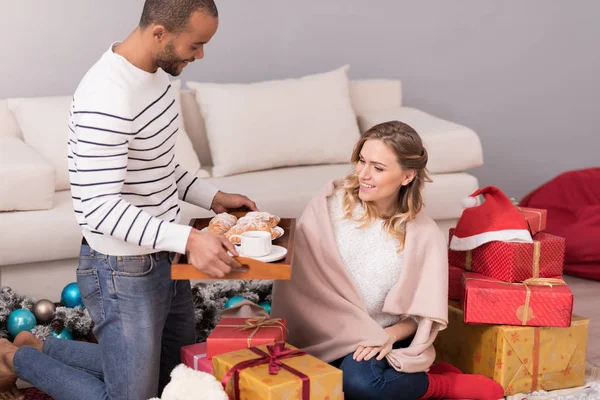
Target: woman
(368, 292)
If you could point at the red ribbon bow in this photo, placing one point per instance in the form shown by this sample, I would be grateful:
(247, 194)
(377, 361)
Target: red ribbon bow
(277, 352)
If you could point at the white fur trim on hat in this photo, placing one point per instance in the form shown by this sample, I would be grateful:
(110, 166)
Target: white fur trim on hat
(469, 202)
(509, 235)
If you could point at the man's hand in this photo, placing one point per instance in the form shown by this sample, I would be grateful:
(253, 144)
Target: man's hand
(208, 253)
(223, 202)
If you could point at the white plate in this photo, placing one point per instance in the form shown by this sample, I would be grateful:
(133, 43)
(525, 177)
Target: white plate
(277, 253)
(277, 229)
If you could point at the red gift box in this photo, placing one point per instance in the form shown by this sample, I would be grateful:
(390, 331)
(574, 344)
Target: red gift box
(195, 356)
(514, 261)
(233, 334)
(454, 282)
(536, 218)
(535, 302)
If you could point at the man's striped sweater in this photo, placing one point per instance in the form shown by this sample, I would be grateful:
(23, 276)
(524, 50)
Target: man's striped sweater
(125, 180)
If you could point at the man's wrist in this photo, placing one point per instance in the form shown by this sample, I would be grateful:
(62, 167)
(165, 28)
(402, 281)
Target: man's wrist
(191, 239)
(216, 199)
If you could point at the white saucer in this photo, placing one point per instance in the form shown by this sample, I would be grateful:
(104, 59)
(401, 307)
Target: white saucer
(277, 229)
(277, 253)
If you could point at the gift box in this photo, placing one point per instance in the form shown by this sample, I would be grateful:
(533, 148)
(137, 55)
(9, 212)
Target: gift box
(233, 334)
(514, 261)
(454, 282)
(278, 371)
(535, 217)
(195, 356)
(520, 358)
(534, 302)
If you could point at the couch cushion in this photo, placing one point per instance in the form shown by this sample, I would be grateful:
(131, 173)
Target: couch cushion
(194, 125)
(40, 235)
(44, 123)
(451, 147)
(258, 126)
(33, 236)
(442, 196)
(184, 150)
(375, 94)
(27, 178)
(365, 94)
(8, 123)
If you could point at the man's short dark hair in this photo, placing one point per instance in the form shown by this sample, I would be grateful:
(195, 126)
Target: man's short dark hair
(174, 14)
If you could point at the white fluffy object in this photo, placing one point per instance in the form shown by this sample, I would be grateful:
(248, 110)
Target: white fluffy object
(188, 384)
(469, 202)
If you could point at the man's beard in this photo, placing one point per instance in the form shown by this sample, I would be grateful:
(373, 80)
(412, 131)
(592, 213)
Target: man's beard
(168, 61)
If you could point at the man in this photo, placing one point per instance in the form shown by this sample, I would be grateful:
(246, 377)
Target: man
(125, 184)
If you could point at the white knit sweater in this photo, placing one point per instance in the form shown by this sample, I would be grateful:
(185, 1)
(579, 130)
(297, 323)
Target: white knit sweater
(370, 257)
(125, 180)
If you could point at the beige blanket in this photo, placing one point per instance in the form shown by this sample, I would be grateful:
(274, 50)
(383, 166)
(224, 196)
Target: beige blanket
(325, 313)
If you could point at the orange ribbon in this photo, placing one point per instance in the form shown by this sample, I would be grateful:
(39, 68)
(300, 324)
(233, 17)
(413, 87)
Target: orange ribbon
(257, 324)
(525, 312)
(536, 359)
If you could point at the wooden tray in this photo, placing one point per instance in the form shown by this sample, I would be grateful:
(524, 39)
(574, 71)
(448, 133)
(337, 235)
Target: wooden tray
(251, 268)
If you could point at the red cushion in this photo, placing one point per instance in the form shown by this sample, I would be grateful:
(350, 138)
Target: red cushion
(573, 203)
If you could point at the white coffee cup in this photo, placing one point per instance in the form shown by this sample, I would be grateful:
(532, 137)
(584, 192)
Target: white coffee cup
(255, 243)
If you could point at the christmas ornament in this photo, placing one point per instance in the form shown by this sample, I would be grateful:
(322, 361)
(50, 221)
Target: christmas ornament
(70, 296)
(266, 305)
(43, 311)
(20, 320)
(64, 334)
(233, 301)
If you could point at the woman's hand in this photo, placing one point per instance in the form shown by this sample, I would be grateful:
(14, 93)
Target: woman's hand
(387, 347)
(368, 352)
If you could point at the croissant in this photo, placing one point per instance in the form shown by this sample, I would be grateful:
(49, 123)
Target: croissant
(270, 219)
(254, 221)
(222, 223)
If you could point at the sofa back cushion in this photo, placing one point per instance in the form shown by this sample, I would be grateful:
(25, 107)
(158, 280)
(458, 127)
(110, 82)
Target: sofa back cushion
(184, 149)
(366, 95)
(27, 181)
(370, 95)
(8, 123)
(44, 124)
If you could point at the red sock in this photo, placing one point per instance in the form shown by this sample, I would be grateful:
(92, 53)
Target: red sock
(442, 367)
(462, 386)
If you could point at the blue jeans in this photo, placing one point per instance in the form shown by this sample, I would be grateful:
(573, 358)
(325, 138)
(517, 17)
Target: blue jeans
(377, 380)
(141, 320)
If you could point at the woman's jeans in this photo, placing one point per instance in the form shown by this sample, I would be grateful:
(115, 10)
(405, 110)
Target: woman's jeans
(377, 380)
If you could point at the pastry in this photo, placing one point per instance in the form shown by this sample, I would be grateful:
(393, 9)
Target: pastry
(222, 223)
(270, 219)
(254, 221)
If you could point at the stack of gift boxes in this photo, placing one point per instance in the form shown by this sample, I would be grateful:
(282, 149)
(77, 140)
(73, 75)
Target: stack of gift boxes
(510, 311)
(252, 360)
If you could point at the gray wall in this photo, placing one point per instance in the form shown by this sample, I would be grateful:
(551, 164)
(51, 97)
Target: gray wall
(522, 74)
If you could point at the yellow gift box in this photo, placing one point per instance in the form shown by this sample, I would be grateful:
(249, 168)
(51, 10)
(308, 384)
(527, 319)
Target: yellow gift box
(278, 371)
(520, 358)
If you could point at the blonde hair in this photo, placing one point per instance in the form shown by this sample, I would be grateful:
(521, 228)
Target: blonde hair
(406, 143)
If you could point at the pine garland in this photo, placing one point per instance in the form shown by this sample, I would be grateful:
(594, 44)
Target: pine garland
(209, 301)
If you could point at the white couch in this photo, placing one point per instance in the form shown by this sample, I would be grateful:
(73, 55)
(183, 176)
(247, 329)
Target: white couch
(40, 240)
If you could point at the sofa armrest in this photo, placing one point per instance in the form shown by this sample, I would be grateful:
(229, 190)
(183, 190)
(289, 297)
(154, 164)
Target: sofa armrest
(451, 147)
(27, 178)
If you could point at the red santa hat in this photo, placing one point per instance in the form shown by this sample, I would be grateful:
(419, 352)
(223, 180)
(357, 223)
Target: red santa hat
(495, 219)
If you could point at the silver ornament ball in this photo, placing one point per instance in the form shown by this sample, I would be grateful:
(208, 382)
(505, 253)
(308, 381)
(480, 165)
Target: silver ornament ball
(44, 311)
